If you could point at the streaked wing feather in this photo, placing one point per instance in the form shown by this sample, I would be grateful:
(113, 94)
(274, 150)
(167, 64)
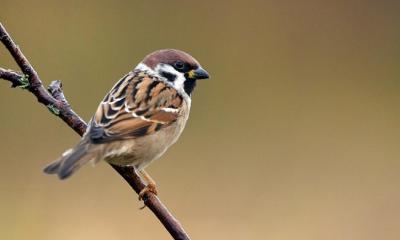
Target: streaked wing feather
(136, 106)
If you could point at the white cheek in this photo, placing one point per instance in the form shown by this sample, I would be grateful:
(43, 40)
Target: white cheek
(180, 77)
(144, 68)
(179, 81)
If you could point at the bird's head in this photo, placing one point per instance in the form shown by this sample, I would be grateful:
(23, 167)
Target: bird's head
(176, 67)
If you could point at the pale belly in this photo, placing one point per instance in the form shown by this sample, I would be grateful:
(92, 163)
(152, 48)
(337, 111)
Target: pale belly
(142, 151)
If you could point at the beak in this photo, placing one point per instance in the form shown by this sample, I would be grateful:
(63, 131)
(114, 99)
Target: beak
(199, 73)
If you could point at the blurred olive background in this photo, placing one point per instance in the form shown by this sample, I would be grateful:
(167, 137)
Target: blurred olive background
(297, 135)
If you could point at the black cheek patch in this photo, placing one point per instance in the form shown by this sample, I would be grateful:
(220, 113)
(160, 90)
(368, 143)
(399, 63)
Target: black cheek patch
(171, 77)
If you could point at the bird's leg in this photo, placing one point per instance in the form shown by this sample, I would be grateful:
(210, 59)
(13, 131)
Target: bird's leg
(150, 187)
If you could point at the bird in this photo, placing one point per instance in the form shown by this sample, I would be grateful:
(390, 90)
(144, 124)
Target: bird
(142, 115)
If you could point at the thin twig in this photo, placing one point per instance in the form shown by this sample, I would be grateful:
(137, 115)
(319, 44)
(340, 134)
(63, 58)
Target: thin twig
(53, 98)
(11, 76)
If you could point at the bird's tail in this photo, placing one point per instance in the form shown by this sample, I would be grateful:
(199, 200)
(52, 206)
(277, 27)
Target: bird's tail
(73, 159)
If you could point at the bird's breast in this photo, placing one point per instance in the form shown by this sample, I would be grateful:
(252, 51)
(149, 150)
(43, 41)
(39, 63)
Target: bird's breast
(139, 152)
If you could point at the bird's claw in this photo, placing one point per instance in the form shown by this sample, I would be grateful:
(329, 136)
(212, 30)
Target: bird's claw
(149, 188)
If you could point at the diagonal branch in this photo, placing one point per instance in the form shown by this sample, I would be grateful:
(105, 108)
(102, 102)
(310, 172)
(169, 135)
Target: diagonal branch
(53, 98)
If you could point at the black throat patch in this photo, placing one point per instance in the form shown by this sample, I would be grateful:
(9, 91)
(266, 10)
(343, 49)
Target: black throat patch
(189, 85)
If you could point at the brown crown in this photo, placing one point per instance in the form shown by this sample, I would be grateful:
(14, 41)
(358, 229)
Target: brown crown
(169, 56)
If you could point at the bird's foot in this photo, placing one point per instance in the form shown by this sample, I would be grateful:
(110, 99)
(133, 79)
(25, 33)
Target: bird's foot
(150, 188)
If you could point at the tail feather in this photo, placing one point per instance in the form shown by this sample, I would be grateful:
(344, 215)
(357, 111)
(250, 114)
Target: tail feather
(53, 167)
(72, 160)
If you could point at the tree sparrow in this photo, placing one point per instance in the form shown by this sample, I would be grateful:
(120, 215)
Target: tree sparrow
(140, 118)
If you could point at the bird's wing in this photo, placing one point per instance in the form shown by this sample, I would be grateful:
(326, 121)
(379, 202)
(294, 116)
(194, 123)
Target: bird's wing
(137, 105)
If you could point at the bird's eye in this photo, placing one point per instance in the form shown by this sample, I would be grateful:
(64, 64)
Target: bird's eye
(179, 65)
